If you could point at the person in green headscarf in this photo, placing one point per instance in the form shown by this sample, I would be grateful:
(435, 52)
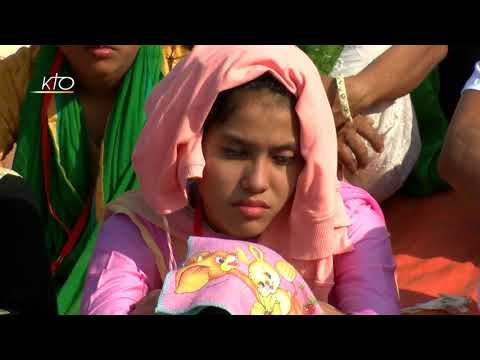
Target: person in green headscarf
(74, 148)
(383, 84)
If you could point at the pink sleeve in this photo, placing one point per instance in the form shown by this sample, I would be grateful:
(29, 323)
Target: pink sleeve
(121, 272)
(365, 277)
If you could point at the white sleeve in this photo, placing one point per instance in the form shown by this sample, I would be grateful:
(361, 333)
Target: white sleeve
(474, 82)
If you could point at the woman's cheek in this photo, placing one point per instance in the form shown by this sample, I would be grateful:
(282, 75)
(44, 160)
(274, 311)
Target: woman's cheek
(224, 174)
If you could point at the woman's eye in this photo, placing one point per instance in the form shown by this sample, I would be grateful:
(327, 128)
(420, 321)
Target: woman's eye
(283, 160)
(261, 284)
(220, 260)
(234, 153)
(268, 275)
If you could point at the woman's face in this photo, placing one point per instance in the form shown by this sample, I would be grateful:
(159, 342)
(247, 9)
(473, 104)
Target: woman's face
(99, 67)
(252, 164)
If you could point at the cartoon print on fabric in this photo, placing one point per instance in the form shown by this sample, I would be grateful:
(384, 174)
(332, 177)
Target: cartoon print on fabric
(271, 299)
(219, 273)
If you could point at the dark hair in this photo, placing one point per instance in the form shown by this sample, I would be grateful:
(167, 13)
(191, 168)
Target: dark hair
(223, 105)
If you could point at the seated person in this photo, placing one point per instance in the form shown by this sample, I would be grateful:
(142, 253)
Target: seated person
(460, 157)
(454, 69)
(26, 285)
(240, 144)
(390, 97)
(74, 150)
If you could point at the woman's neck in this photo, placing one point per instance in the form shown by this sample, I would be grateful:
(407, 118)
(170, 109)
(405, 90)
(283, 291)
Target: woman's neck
(96, 110)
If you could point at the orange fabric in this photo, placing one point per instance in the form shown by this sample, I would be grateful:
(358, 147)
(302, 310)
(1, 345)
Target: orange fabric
(436, 244)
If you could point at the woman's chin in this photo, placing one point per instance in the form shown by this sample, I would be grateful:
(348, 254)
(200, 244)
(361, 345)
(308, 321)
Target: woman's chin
(249, 230)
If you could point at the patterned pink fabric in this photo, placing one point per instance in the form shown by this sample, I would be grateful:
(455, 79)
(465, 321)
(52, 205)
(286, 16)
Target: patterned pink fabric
(122, 269)
(237, 276)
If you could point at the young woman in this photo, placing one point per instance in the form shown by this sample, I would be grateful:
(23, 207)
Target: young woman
(241, 144)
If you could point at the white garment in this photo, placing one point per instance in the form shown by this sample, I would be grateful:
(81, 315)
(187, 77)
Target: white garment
(474, 82)
(395, 120)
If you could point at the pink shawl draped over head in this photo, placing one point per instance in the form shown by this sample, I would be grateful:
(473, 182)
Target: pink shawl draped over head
(313, 227)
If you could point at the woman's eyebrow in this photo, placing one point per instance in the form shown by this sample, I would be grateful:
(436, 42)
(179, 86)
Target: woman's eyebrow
(230, 137)
(292, 145)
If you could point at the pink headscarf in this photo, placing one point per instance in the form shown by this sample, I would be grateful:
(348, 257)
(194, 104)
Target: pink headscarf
(169, 152)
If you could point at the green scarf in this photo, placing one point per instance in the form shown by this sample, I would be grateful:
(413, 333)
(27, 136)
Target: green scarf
(70, 175)
(424, 178)
(433, 124)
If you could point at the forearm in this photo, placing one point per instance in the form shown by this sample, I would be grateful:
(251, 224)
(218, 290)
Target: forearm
(365, 286)
(398, 71)
(365, 277)
(393, 74)
(460, 157)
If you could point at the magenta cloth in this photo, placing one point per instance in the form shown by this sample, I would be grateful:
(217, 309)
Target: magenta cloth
(122, 268)
(239, 277)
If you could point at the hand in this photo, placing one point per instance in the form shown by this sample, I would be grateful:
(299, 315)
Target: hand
(329, 309)
(147, 305)
(351, 136)
(358, 94)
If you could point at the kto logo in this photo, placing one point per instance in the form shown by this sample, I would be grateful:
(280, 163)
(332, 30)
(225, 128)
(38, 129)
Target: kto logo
(57, 85)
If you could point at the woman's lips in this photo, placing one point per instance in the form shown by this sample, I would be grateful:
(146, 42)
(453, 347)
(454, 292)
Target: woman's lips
(252, 213)
(252, 209)
(100, 51)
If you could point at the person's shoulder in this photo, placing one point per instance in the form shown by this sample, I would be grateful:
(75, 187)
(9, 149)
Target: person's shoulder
(119, 233)
(351, 194)
(22, 59)
(117, 219)
(363, 210)
(128, 228)
(117, 224)
(15, 72)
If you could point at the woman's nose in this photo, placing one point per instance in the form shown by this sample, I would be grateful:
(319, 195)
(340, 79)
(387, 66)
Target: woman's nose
(255, 179)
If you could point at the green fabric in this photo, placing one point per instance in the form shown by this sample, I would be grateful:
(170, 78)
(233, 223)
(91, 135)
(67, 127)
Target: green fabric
(323, 56)
(432, 122)
(70, 169)
(424, 178)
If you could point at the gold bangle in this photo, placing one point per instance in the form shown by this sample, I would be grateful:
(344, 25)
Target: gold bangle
(342, 96)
